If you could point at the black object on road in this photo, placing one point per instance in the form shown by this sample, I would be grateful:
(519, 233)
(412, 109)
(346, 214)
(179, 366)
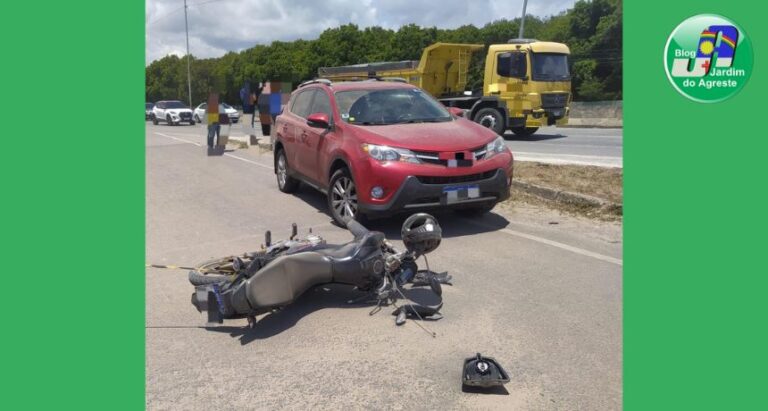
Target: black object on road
(482, 371)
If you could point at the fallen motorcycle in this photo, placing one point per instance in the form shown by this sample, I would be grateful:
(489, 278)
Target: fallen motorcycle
(270, 279)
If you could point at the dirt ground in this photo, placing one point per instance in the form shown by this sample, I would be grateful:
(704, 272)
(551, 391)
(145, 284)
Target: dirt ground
(601, 182)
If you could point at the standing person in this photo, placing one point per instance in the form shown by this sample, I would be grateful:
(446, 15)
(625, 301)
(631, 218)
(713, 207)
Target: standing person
(212, 114)
(254, 98)
(245, 97)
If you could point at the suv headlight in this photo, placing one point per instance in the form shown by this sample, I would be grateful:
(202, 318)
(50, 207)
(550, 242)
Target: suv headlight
(386, 153)
(494, 147)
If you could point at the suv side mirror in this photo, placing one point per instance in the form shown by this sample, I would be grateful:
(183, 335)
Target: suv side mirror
(318, 120)
(458, 112)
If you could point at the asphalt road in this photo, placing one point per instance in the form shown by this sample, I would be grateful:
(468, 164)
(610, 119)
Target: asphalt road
(540, 292)
(587, 146)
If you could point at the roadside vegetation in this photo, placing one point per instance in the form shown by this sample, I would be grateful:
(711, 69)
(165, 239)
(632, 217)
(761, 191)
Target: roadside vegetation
(602, 183)
(591, 29)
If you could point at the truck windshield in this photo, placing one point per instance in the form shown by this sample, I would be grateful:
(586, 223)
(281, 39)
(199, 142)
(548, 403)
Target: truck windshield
(390, 106)
(550, 67)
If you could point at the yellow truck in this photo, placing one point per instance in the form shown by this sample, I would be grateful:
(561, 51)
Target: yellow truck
(526, 83)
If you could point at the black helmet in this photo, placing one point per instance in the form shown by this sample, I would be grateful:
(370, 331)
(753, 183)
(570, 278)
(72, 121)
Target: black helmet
(421, 234)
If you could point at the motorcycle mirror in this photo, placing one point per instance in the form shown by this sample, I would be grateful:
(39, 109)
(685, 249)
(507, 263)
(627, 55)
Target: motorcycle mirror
(268, 238)
(294, 230)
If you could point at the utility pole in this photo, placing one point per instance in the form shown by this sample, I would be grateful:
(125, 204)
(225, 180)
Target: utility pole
(189, 76)
(522, 21)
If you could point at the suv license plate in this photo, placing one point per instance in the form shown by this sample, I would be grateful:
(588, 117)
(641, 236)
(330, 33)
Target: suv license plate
(459, 193)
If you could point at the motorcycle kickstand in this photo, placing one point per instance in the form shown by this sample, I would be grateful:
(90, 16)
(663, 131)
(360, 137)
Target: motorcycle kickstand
(251, 321)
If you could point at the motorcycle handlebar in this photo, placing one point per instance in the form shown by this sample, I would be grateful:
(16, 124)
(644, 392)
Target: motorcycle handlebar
(356, 228)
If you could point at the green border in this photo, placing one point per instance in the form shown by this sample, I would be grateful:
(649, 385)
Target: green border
(73, 176)
(695, 334)
(73, 205)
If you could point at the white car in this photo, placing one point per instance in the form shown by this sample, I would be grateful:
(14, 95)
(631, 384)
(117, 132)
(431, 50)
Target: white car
(200, 112)
(172, 112)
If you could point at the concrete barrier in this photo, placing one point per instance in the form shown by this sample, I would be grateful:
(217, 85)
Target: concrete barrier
(596, 114)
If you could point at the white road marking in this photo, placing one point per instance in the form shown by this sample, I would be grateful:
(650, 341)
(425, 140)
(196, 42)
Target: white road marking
(179, 139)
(601, 161)
(248, 161)
(503, 230)
(562, 246)
(226, 154)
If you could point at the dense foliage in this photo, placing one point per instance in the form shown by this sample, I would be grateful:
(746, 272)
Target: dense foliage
(592, 30)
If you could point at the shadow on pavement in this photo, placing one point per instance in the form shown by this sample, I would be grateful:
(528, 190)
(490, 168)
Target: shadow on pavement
(497, 390)
(535, 137)
(318, 298)
(217, 151)
(453, 224)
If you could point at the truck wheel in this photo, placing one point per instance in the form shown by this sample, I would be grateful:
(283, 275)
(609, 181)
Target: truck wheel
(491, 118)
(524, 131)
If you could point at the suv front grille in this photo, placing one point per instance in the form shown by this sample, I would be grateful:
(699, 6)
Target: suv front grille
(431, 157)
(455, 179)
(554, 100)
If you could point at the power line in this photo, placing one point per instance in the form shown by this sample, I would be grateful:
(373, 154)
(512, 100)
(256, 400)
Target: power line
(205, 2)
(162, 16)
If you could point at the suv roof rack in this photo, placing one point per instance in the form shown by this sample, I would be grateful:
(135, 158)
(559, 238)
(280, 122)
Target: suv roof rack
(316, 81)
(379, 78)
(395, 79)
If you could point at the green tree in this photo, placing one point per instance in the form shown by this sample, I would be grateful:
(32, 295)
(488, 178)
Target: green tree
(592, 29)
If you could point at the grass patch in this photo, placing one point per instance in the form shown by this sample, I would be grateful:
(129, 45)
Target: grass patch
(600, 182)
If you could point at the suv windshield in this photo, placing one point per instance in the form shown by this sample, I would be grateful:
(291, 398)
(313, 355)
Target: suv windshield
(174, 104)
(549, 67)
(389, 106)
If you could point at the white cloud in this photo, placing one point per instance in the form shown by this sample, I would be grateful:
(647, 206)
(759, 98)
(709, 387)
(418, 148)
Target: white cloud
(219, 26)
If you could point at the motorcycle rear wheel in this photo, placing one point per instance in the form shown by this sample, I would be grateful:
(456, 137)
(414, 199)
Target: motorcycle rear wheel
(213, 272)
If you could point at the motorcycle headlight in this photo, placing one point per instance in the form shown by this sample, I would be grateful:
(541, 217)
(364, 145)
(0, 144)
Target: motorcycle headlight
(494, 147)
(386, 153)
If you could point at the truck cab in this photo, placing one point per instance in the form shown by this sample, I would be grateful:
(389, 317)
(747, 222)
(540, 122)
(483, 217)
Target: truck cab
(529, 82)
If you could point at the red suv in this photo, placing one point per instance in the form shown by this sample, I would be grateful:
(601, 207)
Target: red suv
(381, 147)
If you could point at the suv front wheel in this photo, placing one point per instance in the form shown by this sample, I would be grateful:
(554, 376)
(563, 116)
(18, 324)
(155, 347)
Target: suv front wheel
(342, 197)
